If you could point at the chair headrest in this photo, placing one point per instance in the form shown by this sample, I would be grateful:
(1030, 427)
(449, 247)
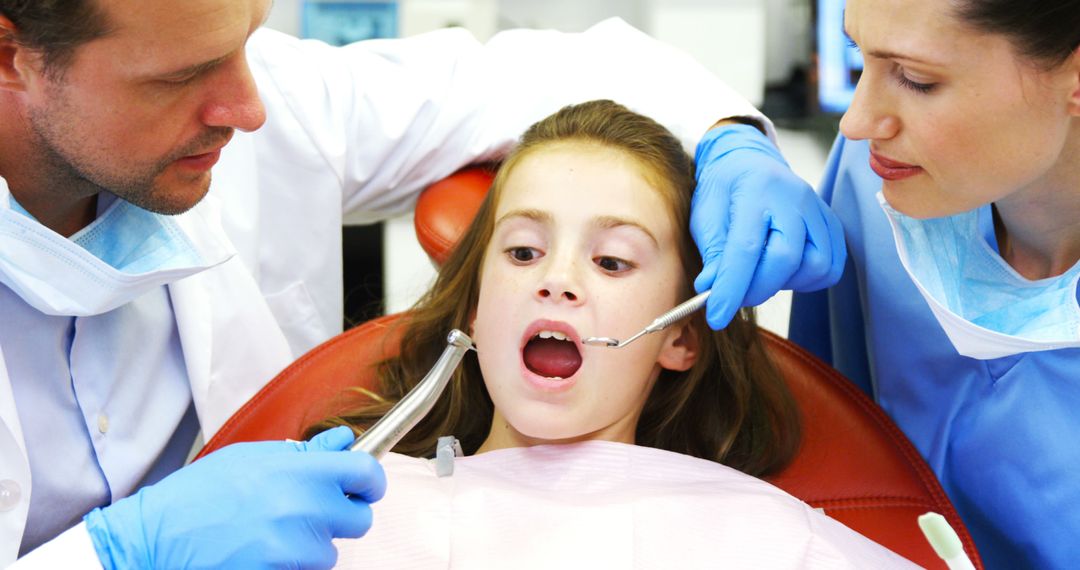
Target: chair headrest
(445, 209)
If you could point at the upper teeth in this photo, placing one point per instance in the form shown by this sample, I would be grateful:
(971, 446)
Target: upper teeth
(552, 334)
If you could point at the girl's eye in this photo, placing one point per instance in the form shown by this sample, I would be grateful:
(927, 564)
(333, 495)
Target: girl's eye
(613, 264)
(851, 44)
(922, 88)
(522, 254)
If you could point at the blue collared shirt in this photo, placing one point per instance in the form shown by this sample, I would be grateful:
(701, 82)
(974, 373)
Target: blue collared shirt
(104, 403)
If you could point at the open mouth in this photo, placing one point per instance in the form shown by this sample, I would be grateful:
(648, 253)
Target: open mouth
(551, 354)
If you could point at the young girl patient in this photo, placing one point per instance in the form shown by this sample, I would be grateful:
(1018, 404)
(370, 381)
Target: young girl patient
(579, 456)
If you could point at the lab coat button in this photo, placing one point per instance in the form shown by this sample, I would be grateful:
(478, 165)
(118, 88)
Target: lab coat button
(103, 423)
(10, 494)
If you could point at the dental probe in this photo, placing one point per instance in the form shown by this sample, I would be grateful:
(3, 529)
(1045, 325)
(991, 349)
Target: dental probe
(662, 322)
(384, 435)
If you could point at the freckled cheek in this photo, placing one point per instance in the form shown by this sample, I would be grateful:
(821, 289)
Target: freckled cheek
(666, 291)
(499, 360)
(494, 373)
(497, 323)
(504, 291)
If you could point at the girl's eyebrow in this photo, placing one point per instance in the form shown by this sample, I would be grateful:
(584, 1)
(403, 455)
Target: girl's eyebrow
(529, 214)
(609, 222)
(602, 222)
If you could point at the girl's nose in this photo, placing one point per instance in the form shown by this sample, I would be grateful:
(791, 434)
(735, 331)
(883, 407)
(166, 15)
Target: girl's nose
(545, 293)
(560, 283)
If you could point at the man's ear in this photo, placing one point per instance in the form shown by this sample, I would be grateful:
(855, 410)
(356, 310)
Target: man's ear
(14, 58)
(681, 348)
(1073, 66)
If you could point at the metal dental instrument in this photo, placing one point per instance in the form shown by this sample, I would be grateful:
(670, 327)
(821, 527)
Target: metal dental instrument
(662, 322)
(384, 435)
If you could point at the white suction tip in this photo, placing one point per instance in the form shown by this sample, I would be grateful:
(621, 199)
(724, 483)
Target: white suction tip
(944, 540)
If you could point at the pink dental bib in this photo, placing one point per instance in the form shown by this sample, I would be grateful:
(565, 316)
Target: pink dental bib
(597, 505)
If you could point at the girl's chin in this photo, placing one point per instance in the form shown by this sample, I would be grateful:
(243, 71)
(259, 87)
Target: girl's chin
(542, 432)
(549, 436)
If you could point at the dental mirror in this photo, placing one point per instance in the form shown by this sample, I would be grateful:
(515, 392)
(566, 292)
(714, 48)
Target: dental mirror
(662, 322)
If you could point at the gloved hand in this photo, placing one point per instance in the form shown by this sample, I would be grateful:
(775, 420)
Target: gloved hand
(760, 227)
(248, 505)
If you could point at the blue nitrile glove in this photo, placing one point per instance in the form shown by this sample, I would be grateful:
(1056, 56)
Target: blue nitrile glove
(760, 227)
(249, 505)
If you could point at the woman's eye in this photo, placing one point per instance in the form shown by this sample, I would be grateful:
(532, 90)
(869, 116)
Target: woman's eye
(613, 264)
(522, 254)
(922, 88)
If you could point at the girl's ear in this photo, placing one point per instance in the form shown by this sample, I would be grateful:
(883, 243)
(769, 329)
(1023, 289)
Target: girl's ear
(680, 349)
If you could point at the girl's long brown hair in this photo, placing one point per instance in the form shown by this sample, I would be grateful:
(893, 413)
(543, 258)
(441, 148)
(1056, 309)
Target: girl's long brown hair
(731, 406)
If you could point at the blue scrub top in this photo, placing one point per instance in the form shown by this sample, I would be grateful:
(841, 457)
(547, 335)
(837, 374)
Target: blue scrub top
(1002, 435)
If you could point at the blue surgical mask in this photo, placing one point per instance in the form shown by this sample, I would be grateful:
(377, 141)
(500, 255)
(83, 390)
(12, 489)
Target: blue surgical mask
(986, 308)
(133, 240)
(124, 253)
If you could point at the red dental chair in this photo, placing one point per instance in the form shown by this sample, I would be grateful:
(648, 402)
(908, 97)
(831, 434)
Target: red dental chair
(854, 462)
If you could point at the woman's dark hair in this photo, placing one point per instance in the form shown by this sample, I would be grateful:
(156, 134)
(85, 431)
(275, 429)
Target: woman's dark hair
(55, 27)
(731, 406)
(1045, 31)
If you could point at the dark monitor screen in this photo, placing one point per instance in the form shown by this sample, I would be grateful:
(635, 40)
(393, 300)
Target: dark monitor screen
(839, 64)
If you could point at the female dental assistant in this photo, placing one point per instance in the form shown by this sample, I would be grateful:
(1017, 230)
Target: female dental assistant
(958, 311)
(134, 313)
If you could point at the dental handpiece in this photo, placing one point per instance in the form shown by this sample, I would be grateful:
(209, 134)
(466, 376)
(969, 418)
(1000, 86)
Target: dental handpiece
(662, 322)
(388, 431)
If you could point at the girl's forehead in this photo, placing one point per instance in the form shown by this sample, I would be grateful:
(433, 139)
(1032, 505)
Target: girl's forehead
(580, 175)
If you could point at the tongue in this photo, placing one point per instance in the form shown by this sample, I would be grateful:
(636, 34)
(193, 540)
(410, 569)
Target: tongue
(552, 358)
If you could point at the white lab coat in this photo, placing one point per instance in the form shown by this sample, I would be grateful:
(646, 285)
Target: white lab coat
(362, 129)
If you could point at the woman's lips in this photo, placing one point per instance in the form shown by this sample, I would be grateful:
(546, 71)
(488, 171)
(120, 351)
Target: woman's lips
(890, 169)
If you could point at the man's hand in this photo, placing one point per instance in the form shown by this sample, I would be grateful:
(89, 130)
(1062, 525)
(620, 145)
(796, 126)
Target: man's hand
(760, 228)
(249, 505)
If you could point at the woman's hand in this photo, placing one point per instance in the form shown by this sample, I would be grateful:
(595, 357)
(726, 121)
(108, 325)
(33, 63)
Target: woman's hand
(760, 227)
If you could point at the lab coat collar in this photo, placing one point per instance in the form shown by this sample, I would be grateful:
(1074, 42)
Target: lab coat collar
(212, 308)
(225, 370)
